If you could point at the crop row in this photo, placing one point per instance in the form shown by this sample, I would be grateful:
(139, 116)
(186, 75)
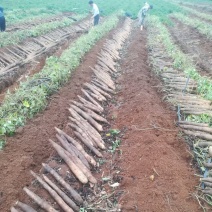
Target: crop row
(198, 14)
(181, 92)
(31, 96)
(22, 15)
(8, 38)
(203, 27)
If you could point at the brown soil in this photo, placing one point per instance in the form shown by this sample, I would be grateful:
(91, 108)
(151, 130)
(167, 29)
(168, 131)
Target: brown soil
(145, 152)
(30, 147)
(197, 46)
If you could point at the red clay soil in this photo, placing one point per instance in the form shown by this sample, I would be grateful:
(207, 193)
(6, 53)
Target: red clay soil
(195, 45)
(30, 147)
(145, 152)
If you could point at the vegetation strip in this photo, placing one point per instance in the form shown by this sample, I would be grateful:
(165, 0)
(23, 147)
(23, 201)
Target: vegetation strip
(9, 38)
(31, 96)
(181, 61)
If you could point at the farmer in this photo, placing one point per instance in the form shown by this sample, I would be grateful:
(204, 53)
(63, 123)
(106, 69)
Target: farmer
(95, 11)
(2, 20)
(142, 14)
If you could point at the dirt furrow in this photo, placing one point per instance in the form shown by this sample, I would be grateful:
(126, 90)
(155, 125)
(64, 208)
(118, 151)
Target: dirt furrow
(155, 165)
(195, 45)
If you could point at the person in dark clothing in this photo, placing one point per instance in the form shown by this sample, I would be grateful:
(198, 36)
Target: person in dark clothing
(2, 20)
(95, 11)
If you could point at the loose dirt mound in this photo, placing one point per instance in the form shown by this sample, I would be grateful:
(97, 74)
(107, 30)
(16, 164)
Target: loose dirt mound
(146, 151)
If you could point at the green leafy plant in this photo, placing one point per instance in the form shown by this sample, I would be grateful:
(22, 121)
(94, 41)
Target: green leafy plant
(115, 145)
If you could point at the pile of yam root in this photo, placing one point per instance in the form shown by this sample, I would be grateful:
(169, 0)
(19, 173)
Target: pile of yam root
(86, 119)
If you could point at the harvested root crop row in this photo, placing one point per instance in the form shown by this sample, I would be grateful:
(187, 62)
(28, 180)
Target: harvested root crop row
(13, 57)
(80, 153)
(181, 91)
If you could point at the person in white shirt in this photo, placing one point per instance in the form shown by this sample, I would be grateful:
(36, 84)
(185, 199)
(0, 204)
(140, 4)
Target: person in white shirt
(142, 14)
(95, 11)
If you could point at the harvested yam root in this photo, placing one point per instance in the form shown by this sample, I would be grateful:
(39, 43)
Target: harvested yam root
(102, 86)
(89, 158)
(24, 207)
(192, 123)
(83, 134)
(88, 118)
(92, 148)
(72, 149)
(52, 192)
(92, 100)
(100, 97)
(198, 128)
(70, 163)
(83, 168)
(60, 180)
(90, 105)
(90, 112)
(203, 144)
(202, 135)
(62, 194)
(12, 209)
(84, 129)
(41, 202)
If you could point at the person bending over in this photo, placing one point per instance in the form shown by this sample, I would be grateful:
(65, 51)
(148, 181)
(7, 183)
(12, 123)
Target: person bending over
(95, 11)
(142, 14)
(2, 20)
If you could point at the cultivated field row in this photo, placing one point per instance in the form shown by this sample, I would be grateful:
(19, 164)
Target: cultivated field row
(190, 94)
(27, 24)
(14, 57)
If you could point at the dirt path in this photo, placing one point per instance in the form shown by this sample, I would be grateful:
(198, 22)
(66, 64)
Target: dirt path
(161, 153)
(197, 46)
(30, 146)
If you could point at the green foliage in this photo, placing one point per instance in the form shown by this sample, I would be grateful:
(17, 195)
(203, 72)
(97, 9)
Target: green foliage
(114, 132)
(115, 145)
(204, 118)
(31, 96)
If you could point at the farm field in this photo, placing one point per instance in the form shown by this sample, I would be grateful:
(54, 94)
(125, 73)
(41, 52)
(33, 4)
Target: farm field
(107, 117)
